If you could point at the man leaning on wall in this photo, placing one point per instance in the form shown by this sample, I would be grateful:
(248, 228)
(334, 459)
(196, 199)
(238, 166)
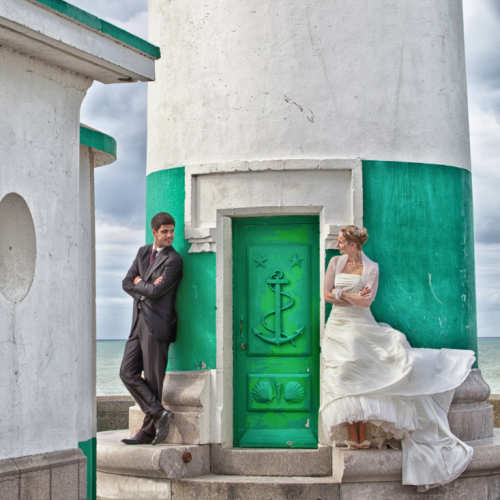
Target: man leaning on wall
(152, 281)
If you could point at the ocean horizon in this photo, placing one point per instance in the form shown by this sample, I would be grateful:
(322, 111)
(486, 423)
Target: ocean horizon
(110, 354)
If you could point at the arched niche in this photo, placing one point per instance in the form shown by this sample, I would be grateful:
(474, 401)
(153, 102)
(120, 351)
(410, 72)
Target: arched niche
(17, 247)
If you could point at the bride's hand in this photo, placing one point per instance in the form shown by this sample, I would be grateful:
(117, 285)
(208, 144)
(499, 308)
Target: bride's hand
(365, 292)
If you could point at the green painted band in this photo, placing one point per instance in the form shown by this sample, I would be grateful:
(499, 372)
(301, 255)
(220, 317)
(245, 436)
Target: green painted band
(89, 449)
(97, 24)
(97, 140)
(194, 348)
(419, 219)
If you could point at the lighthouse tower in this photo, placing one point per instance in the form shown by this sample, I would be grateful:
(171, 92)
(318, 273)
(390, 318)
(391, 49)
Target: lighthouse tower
(270, 126)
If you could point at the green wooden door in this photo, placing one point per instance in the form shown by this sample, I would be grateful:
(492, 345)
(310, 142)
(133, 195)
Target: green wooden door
(276, 332)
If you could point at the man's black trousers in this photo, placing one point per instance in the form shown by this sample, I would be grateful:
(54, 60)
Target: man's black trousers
(144, 353)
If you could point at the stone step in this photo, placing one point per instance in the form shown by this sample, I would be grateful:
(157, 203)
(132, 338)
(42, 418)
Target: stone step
(215, 487)
(219, 487)
(155, 473)
(163, 461)
(271, 462)
(483, 486)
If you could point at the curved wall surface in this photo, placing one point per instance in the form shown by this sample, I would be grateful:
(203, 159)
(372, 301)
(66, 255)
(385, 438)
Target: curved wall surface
(248, 79)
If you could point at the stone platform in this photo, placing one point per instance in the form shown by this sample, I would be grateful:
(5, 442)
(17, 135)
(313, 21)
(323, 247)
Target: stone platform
(159, 473)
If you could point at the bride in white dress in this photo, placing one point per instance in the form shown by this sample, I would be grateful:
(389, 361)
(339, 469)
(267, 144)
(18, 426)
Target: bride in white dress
(376, 389)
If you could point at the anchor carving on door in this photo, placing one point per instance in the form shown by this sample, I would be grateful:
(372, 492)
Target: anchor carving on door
(276, 283)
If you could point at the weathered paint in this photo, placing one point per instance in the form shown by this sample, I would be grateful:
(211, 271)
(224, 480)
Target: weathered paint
(420, 224)
(74, 43)
(276, 274)
(47, 331)
(89, 449)
(97, 140)
(40, 160)
(83, 17)
(244, 80)
(195, 346)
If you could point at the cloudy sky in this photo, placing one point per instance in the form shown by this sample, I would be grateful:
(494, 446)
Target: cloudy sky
(120, 110)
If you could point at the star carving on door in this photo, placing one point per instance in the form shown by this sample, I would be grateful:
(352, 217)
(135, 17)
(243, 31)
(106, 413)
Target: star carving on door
(296, 260)
(260, 261)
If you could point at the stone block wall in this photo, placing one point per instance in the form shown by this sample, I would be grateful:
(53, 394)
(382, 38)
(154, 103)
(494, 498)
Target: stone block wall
(60, 475)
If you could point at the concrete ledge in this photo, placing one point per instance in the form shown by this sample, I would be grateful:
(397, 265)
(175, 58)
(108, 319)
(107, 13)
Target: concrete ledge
(366, 465)
(470, 488)
(117, 487)
(213, 487)
(162, 461)
(271, 462)
(187, 394)
(256, 488)
(372, 466)
(55, 475)
(186, 428)
(494, 400)
(113, 412)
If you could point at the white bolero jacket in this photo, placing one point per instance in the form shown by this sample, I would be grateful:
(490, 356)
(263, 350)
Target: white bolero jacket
(369, 276)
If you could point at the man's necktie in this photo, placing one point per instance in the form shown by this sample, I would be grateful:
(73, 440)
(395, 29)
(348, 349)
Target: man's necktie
(153, 256)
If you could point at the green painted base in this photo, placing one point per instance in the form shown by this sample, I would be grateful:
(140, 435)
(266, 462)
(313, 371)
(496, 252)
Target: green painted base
(283, 438)
(420, 224)
(89, 449)
(196, 345)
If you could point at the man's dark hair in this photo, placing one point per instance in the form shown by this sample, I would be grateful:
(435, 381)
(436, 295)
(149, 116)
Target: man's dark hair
(161, 219)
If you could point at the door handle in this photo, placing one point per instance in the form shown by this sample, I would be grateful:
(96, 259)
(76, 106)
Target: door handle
(243, 347)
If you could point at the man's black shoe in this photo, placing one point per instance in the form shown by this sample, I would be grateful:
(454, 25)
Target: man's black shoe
(162, 426)
(139, 438)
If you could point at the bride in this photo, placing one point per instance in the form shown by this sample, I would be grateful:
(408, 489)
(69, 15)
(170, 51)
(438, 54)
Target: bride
(376, 389)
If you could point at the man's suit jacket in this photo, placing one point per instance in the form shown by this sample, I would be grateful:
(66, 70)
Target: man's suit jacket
(157, 302)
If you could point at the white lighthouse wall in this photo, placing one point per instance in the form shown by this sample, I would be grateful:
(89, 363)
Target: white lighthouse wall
(40, 335)
(243, 80)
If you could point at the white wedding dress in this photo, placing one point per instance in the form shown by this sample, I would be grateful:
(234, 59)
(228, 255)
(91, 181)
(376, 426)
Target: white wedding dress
(372, 374)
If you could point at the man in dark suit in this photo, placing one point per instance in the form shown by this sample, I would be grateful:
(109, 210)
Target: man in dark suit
(152, 281)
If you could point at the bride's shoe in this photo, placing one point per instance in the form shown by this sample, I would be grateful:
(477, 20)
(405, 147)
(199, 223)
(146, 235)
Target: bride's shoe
(351, 445)
(365, 445)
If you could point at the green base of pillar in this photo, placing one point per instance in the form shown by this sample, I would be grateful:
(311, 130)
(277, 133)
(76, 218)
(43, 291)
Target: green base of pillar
(89, 449)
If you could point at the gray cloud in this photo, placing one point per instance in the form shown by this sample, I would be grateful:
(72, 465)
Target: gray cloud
(121, 10)
(482, 42)
(494, 5)
(482, 39)
(488, 291)
(120, 111)
(117, 246)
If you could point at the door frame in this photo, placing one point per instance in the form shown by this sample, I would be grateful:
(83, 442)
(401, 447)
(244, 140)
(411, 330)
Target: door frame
(222, 404)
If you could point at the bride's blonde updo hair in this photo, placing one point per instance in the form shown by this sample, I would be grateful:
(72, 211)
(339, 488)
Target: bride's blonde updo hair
(355, 234)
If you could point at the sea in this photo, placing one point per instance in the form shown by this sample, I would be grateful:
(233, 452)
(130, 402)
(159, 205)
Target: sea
(110, 354)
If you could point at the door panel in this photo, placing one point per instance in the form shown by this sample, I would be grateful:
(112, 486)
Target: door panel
(276, 331)
(270, 304)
